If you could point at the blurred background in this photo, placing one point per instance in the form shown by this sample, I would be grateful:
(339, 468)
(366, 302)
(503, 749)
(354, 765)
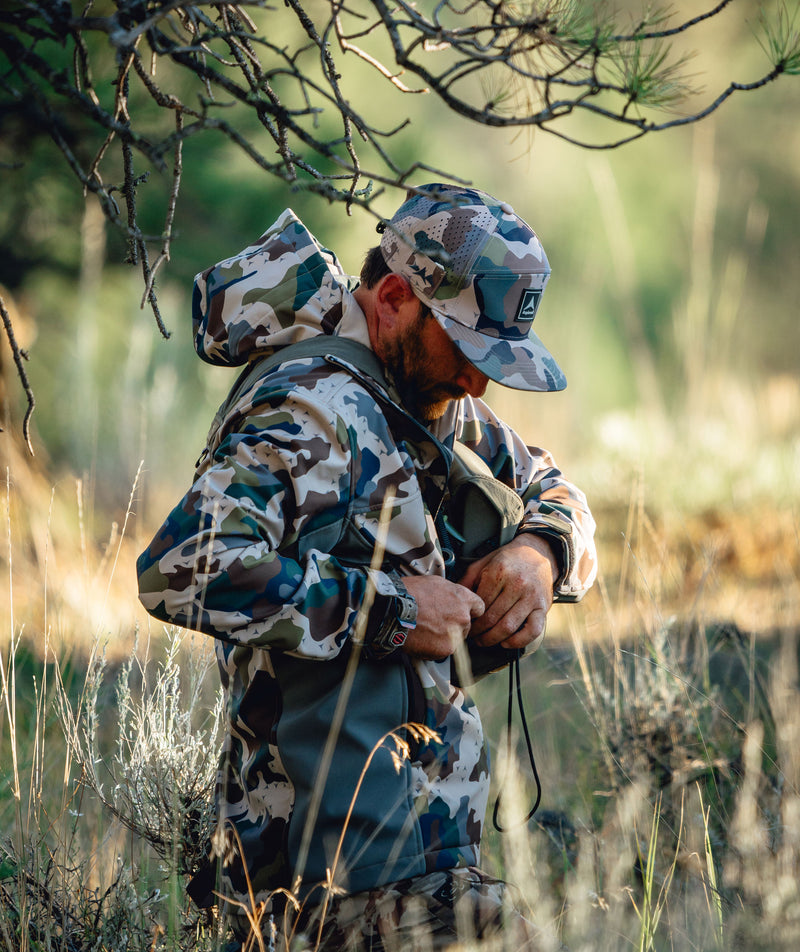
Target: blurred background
(672, 308)
(664, 708)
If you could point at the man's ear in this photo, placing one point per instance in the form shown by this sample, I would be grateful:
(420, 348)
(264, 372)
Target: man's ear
(395, 302)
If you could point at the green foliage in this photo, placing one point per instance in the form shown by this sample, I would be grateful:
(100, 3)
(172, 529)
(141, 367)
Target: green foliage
(781, 41)
(650, 78)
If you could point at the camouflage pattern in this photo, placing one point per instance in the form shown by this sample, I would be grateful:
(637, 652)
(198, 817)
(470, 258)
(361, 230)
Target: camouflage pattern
(482, 271)
(256, 555)
(441, 910)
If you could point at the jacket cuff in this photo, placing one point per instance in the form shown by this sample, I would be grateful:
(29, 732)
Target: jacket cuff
(559, 534)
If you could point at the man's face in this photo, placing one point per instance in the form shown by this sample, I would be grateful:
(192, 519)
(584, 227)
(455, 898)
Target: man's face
(428, 368)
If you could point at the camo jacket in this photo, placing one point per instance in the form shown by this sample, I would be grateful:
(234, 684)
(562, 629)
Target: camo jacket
(256, 556)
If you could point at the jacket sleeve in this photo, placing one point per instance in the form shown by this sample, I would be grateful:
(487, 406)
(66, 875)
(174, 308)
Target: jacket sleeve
(234, 560)
(554, 507)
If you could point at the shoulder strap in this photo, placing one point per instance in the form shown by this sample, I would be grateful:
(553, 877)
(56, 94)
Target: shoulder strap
(323, 345)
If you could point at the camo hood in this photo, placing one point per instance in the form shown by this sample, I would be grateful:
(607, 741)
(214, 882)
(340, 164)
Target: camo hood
(283, 288)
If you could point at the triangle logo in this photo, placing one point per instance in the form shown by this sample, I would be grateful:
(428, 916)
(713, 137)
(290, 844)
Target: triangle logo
(528, 306)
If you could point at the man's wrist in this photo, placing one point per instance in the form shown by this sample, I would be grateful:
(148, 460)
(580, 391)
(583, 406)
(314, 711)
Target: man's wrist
(545, 546)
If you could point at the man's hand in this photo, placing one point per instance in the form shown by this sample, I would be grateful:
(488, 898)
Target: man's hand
(445, 612)
(515, 583)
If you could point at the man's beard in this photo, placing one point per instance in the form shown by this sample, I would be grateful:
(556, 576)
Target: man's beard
(413, 371)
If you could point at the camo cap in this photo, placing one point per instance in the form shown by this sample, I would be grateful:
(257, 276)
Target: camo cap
(482, 272)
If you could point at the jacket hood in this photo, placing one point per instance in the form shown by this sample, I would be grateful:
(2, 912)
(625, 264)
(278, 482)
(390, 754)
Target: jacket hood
(283, 288)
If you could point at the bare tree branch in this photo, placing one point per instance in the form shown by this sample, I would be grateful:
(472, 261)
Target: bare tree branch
(177, 170)
(19, 355)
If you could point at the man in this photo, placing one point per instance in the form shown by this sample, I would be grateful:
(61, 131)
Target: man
(377, 837)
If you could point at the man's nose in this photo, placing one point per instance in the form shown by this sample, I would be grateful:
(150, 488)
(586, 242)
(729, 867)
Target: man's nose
(472, 380)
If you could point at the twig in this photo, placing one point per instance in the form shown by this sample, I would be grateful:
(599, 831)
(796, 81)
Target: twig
(19, 356)
(673, 31)
(173, 201)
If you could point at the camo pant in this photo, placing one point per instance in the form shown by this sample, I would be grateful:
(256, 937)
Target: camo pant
(428, 913)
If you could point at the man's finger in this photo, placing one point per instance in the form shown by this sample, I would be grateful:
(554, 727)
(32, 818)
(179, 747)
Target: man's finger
(477, 606)
(531, 635)
(509, 624)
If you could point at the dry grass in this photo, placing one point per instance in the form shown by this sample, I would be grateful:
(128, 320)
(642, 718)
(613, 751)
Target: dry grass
(68, 571)
(736, 567)
(671, 825)
(666, 714)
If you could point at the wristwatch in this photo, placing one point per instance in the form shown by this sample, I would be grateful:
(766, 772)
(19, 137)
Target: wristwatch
(399, 619)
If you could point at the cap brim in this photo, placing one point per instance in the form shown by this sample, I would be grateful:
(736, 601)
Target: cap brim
(524, 364)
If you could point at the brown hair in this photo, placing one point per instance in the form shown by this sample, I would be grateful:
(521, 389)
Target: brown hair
(374, 267)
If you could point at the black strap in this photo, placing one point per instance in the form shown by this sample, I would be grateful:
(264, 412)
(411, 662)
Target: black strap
(513, 674)
(371, 375)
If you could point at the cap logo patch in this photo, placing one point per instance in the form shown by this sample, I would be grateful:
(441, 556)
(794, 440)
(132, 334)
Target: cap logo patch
(529, 305)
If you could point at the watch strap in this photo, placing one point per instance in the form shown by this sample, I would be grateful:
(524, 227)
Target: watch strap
(400, 617)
